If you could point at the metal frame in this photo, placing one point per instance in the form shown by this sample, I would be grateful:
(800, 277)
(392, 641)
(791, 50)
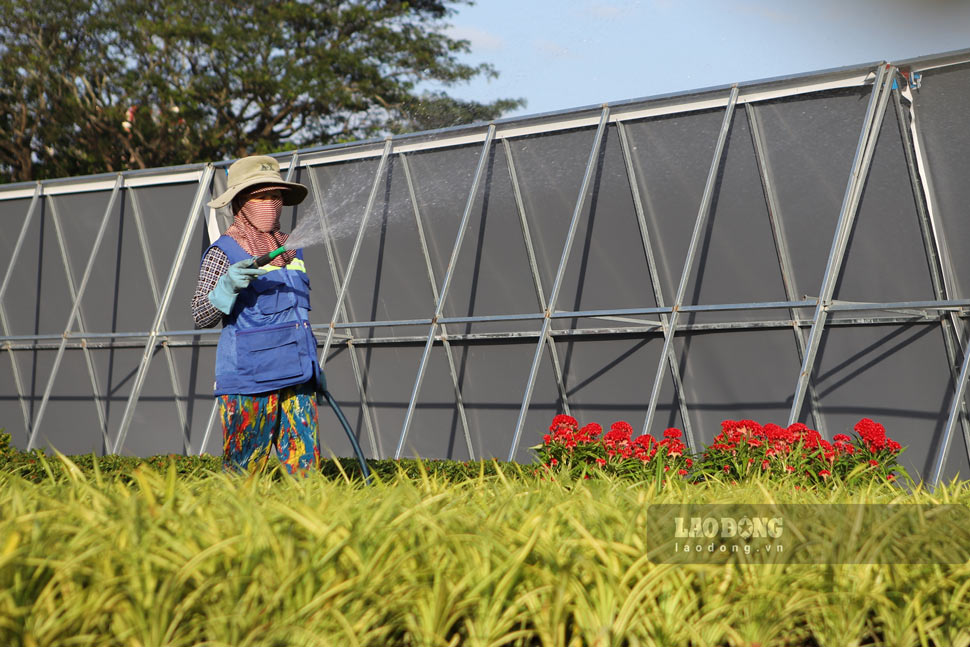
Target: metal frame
(878, 100)
(378, 176)
(594, 155)
(445, 285)
(82, 328)
(702, 214)
(781, 248)
(643, 322)
(157, 298)
(337, 276)
(75, 312)
(14, 367)
(190, 223)
(534, 270)
(459, 401)
(937, 257)
(655, 281)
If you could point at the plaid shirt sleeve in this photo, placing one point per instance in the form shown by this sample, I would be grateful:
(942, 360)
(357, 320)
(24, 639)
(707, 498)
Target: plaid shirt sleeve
(215, 263)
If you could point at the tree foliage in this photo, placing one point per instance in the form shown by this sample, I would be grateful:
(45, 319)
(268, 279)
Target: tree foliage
(89, 86)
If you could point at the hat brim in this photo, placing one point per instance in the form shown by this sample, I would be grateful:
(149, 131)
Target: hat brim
(293, 193)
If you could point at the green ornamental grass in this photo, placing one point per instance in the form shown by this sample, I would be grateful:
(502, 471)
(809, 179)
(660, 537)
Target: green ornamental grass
(171, 551)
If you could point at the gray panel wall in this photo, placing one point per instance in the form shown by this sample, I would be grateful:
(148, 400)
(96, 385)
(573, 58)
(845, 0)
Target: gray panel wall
(812, 241)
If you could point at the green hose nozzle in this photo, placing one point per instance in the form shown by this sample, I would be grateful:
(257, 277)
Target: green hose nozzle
(259, 261)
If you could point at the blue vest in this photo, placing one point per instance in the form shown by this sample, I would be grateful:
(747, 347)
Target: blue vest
(266, 341)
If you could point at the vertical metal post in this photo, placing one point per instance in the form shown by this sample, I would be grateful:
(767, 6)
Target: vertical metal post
(875, 111)
(655, 280)
(209, 425)
(782, 249)
(294, 162)
(956, 404)
(439, 306)
(81, 326)
(18, 382)
(919, 179)
(139, 381)
(699, 224)
(594, 154)
(534, 268)
(434, 295)
(336, 277)
(75, 309)
(156, 297)
(356, 250)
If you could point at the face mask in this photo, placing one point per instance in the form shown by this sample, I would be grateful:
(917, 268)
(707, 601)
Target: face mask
(256, 228)
(263, 215)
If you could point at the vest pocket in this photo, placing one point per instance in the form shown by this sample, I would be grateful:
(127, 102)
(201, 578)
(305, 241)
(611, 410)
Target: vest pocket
(271, 354)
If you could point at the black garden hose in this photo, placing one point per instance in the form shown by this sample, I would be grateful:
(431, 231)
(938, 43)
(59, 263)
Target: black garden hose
(350, 435)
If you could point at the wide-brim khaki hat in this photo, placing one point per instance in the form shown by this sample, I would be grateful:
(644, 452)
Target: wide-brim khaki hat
(257, 170)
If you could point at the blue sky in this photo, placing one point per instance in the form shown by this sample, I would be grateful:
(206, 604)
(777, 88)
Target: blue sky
(560, 54)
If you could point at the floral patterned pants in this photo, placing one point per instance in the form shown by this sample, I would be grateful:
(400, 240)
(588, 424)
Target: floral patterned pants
(255, 425)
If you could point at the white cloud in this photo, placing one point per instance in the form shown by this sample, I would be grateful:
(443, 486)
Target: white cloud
(481, 40)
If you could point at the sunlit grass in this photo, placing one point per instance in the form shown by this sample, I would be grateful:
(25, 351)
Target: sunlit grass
(507, 559)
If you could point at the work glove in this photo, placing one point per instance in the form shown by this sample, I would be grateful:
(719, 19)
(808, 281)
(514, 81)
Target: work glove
(239, 276)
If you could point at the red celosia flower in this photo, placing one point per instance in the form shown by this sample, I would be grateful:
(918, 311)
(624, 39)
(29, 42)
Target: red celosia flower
(842, 438)
(622, 427)
(726, 468)
(547, 439)
(601, 461)
(675, 450)
(764, 464)
(554, 462)
(824, 474)
(673, 432)
(646, 440)
(564, 421)
(682, 472)
(591, 430)
(873, 434)
(874, 463)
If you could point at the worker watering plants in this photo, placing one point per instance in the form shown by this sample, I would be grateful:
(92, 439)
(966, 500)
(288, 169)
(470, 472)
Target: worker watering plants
(266, 371)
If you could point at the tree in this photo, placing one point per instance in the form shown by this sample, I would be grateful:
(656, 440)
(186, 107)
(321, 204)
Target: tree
(89, 86)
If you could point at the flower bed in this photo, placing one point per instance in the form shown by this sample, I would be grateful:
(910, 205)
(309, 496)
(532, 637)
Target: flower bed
(744, 448)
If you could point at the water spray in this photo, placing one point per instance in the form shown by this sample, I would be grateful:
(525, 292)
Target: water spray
(309, 231)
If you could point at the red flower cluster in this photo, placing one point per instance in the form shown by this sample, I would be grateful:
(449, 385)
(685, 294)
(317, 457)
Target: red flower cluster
(874, 436)
(588, 446)
(743, 448)
(565, 431)
(797, 449)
